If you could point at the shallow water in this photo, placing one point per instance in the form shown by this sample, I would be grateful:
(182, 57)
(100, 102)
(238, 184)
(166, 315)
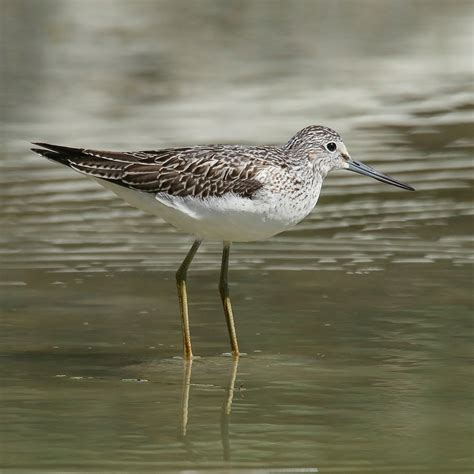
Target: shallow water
(357, 323)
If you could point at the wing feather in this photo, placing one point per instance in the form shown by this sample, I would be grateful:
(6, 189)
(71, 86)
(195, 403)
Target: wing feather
(201, 171)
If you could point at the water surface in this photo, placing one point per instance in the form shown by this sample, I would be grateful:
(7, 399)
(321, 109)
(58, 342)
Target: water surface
(357, 323)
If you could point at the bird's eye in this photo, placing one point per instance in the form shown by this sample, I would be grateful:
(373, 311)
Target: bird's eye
(331, 146)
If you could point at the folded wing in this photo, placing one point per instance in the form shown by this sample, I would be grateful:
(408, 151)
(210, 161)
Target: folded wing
(201, 171)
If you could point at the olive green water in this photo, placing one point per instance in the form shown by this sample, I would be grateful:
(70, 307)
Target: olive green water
(357, 324)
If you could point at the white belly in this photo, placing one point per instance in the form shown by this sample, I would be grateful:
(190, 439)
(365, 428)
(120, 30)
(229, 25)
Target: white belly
(230, 218)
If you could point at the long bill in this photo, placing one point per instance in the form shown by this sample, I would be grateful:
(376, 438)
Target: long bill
(360, 168)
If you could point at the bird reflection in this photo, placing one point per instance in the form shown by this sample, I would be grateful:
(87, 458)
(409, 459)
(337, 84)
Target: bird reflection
(187, 370)
(225, 410)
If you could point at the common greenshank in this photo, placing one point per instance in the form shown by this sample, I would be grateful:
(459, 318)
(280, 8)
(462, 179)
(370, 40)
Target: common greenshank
(229, 193)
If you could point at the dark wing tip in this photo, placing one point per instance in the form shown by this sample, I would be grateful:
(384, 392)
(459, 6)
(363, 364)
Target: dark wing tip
(60, 154)
(51, 155)
(38, 150)
(41, 151)
(58, 148)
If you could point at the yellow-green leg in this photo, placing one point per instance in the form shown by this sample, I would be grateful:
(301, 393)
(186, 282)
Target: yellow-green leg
(183, 298)
(224, 291)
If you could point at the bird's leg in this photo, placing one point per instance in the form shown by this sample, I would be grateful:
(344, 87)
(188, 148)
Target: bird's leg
(224, 291)
(183, 298)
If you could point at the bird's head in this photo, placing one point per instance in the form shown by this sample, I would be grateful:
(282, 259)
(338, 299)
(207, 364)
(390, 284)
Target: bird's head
(324, 147)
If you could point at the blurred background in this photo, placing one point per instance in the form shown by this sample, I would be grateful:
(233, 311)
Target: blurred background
(356, 323)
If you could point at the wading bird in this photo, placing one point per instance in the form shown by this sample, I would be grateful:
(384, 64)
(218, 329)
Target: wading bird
(230, 193)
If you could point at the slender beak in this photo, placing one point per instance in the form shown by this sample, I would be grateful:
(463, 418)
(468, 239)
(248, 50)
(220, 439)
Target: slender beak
(360, 168)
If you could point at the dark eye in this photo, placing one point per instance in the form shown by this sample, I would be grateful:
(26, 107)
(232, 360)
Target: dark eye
(331, 146)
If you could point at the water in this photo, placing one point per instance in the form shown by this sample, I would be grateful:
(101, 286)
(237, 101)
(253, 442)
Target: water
(357, 323)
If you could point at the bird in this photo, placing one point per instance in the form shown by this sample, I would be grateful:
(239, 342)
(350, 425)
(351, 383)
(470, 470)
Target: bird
(230, 193)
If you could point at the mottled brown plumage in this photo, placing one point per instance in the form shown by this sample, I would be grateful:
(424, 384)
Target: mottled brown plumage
(200, 171)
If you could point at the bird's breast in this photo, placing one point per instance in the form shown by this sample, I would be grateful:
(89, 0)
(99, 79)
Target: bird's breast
(290, 199)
